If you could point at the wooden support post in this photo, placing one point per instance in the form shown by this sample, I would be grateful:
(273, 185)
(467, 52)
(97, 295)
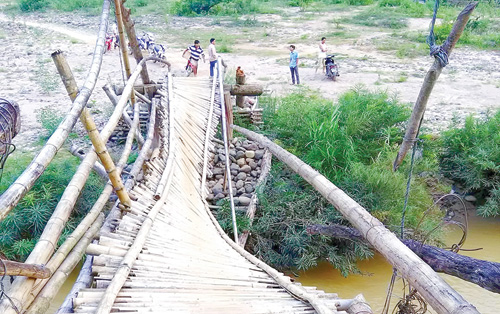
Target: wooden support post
(246, 90)
(123, 46)
(240, 99)
(431, 287)
(134, 45)
(89, 124)
(22, 269)
(429, 82)
(229, 112)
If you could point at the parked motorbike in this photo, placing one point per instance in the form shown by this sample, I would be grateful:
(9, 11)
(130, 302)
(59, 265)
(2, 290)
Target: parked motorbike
(332, 69)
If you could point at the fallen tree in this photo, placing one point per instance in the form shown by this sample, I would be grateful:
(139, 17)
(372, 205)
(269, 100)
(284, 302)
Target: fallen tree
(482, 273)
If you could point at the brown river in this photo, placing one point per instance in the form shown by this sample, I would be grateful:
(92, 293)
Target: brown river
(483, 233)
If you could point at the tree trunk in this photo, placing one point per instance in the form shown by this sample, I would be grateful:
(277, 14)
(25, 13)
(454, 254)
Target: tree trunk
(429, 82)
(431, 287)
(22, 269)
(246, 90)
(482, 273)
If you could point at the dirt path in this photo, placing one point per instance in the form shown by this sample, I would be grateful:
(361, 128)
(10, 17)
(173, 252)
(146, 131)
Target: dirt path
(470, 84)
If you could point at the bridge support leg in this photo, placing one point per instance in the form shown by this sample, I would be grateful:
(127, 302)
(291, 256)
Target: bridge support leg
(89, 124)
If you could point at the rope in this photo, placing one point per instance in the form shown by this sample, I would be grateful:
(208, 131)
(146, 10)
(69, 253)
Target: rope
(435, 50)
(408, 186)
(3, 294)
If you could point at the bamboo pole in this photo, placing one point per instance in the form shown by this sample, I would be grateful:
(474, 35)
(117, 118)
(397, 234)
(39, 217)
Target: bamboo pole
(123, 46)
(132, 38)
(98, 168)
(430, 80)
(203, 187)
(88, 122)
(21, 269)
(10, 198)
(54, 227)
(114, 100)
(50, 290)
(433, 288)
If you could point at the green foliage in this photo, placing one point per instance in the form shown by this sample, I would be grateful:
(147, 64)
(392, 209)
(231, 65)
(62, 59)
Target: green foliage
(376, 17)
(352, 143)
(50, 119)
(32, 5)
(224, 217)
(471, 156)
(350, 2)
(406, 7)
(20, 230)
(286, 208)
(71, 5)
(214, 7)
(46, 79)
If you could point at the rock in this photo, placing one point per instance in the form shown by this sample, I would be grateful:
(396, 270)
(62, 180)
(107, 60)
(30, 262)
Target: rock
(250, 154)
(221, 181)
(247, 195)
(219, 176)
(254, 174)
(246, 168)
(211, 184)
(232, 159)
(241, 176)
(235, 140)
(239, 154)
(232, 152)
(240, 184)
(250, 146)
(249, 188)
(217, 189)
(259, 162)
(244, 201)
(241, 162)
(216, 159)
(234, 167)
(259, 154)
(241, 191)
(470, 198)
(253, 165)
(210, 197)
(217, 171)
(248, 160)
(219, 196)
(234, 172)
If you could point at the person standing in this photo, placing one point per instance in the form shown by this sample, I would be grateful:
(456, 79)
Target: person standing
(212, 56)
(196, 52)
(294, 64)
(322, 53)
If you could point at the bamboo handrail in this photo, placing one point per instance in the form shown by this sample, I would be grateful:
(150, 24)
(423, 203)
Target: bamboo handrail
(88, 122)
(123, 46)
(16, 191)
(433, 288)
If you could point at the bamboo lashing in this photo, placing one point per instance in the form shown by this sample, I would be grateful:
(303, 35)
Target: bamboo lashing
(433, 288)
(88, 122)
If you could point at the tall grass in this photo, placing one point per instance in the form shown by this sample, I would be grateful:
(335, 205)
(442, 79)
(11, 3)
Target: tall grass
(351, 142)
(471, 156)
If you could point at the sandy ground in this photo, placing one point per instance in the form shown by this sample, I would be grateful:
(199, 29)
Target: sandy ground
(470, 84)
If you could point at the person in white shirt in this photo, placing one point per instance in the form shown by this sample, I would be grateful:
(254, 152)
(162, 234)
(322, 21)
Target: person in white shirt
(322, 53)
(212, 56)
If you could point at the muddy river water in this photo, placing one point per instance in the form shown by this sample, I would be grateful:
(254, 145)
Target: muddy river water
(483, 233)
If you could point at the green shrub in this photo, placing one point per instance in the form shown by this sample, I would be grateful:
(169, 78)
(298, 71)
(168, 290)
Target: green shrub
(350, 2)
(214, 7)
(471, 156)
(71, 5)
(32, 5)
(376, 17)
(22, 227)
(352, 143)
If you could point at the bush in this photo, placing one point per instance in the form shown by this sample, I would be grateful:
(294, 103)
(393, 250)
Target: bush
(214, 7)
(471, 156)
(32, 5)
(50, 119)
(71, 5)
(377, 17)
(20, 230)
(352, 143)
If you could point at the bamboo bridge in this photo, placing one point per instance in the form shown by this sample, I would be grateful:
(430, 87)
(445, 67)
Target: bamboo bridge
(160, 249)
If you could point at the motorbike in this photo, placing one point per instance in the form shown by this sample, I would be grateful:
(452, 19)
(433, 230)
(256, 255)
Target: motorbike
(332, 69)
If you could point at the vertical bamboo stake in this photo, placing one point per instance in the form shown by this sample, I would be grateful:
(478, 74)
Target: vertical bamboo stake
(132, 38)
(123, 47)
(429, 82)
(89, 124)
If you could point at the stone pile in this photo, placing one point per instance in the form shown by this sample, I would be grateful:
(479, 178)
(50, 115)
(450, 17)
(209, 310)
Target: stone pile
(245, 164)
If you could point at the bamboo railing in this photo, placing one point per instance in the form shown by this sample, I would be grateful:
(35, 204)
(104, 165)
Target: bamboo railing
(442, 297)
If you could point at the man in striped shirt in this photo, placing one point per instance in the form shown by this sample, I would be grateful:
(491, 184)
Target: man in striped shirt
(196, 53)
